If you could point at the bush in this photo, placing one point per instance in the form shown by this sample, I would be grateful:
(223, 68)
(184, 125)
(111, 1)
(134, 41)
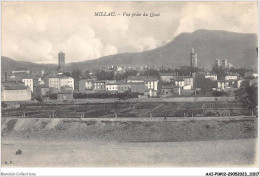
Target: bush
(123, 96)
(54, 96)
(4, 105)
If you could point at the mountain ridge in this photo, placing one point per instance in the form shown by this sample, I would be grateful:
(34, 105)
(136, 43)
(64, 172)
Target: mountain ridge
(238, 48)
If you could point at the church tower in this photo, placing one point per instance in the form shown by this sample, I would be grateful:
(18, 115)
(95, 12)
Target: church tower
(193, 59)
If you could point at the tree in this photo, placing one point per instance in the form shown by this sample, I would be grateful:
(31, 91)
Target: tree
(87, 74)
(241, 71)
(248, 95)
(39, 99)
(203, 83)
(105, 75)
(219, 93)
(220, 72)
(67, 74)
(186, 71)
(252, 96)
(76, 75)
(150, 72)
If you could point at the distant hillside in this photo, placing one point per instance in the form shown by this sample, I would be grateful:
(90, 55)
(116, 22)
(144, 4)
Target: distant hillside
(8, 64)
(238, 48)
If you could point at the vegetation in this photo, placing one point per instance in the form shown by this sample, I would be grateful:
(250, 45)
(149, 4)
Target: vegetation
(150, 72)
(205, 84)
(219, 93)
(123, 96)
(105, 75)
(240, 71)
(53, 96)
(220, 72)
(248, 96)
(126, 74)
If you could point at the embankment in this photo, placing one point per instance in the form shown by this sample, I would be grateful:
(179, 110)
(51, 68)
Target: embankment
(129, 131)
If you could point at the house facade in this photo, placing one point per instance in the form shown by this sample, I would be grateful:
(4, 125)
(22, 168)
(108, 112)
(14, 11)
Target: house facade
(59, 81)
(28, 82)
(15, 92)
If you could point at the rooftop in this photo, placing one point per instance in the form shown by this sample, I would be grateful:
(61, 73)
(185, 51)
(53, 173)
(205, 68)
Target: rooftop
(142, 78)
(167, 87)
(167, 74)
(13, 86)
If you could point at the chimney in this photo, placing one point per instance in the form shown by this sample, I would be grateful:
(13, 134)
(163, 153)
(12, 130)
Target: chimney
(5, 76)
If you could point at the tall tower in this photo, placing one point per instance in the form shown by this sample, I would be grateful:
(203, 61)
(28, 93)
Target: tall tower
(61, 59)
(193, 58)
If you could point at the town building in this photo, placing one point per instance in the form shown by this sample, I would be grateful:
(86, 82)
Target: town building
(193, 58)
(218, 63)
(224, 85)
(112, 86)
(223, 63)
(85, 84)
(28, 82)
(230, 66)
(150, 82)
(99, 85)
(211, 77)
(41, 90)
(251, 74)
(22, 71)
(187, 87)
(61, 60)
(150, 93)
(231, 77)
(61, 80)
(167, 90)
(124, 87)
(13, 91)
(65, 93)
(168, 77)
(137, 87)
(179, 82)
(187, 80)
(253, 82)
(177, 90)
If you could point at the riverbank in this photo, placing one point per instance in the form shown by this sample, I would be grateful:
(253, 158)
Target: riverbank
(123, 130)
(130, 142)
(221, 153)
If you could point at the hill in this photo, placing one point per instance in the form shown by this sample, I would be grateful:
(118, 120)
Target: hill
(238, 48)
(8, 64)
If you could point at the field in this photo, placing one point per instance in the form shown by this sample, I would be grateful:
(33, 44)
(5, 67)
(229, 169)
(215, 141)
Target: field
(129, 109)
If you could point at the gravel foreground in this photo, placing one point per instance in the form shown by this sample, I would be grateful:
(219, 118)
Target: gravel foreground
(129, 131)
(70, 142)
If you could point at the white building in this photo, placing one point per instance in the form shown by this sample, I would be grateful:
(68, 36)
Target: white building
(179, 82)
(28, 82)
(59, 81)
(227, 84)
(187, 80)
(112, 87)
(152, 84)
(149, 81)
(186, 87)
(231, 77)
(167, 77)
(20, 72)
(15, 92)
(211, 77)
(99, 85)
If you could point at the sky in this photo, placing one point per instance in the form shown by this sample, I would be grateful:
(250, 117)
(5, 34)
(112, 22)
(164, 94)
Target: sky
(37, 31)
